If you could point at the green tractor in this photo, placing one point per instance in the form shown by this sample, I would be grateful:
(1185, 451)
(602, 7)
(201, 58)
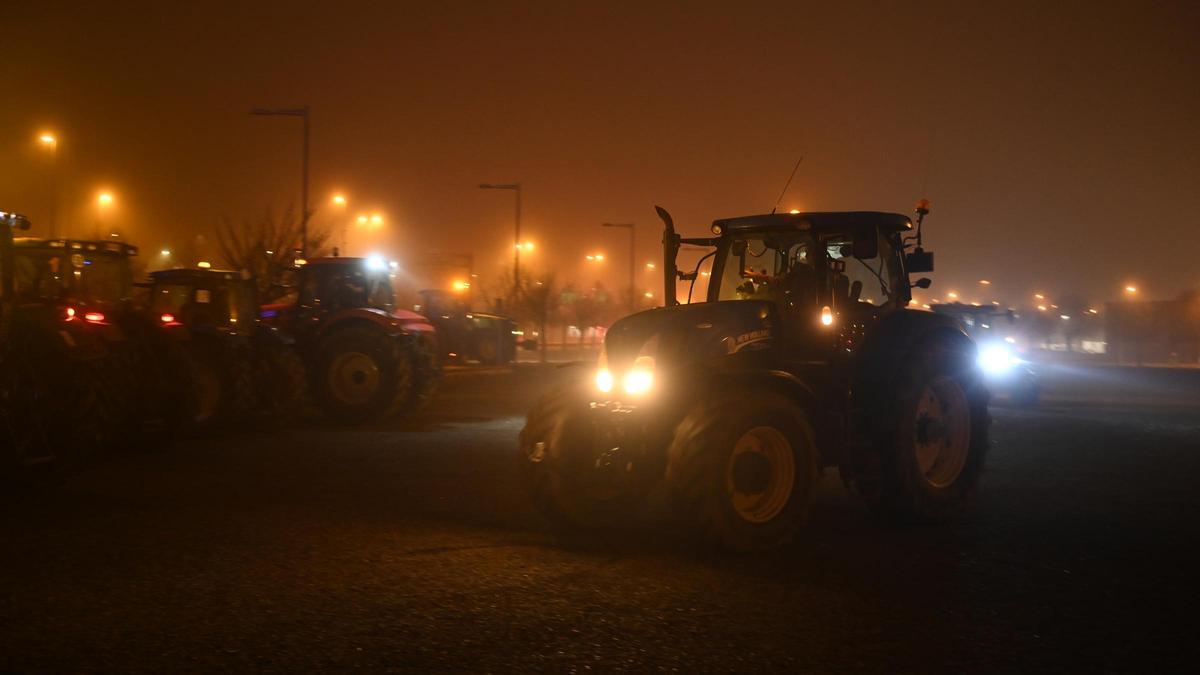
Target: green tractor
(240, 369)
(804, 355)
(88, 287)
(55, 397)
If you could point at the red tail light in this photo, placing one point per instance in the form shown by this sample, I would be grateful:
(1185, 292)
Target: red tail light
(94, 317)
(168, 318)
(70, 313)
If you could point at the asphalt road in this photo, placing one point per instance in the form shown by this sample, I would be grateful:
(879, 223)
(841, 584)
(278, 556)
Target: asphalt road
(410, 547)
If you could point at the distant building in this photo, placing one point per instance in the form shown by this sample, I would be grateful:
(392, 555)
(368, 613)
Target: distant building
(1158, 331)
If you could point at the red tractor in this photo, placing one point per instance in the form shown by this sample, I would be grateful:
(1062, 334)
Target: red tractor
(367, 358)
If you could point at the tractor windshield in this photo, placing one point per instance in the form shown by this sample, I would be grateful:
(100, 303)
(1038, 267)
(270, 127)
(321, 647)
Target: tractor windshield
(345, 287)
(805, 266)
(91, 278)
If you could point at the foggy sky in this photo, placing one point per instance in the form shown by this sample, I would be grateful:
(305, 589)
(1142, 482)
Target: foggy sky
(1060, 147)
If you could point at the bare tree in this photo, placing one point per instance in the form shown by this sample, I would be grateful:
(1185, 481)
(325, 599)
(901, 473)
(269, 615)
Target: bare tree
(539, 297)
(266, 248)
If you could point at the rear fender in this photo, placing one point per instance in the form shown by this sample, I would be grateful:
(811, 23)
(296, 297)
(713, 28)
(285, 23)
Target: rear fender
(376, 318)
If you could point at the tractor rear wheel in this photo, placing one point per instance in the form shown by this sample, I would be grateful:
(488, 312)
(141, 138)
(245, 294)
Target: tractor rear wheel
(427, 373)
(576, 481)
(932, 443)
(742, 470)
(283, 383)
(363, 374)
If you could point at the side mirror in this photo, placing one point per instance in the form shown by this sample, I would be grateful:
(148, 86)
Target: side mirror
(919, 260)
(923, 283)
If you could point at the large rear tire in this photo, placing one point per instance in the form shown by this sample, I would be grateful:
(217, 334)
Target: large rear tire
(933, 438)
(363, 374)
(743, 470)
(575, 481)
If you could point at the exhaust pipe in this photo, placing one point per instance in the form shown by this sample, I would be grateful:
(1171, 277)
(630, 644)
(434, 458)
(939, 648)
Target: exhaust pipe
(670, 242)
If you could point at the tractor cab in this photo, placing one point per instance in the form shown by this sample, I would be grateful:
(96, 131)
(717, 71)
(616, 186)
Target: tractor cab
(821, 270)
(204, 300)
(89, 280)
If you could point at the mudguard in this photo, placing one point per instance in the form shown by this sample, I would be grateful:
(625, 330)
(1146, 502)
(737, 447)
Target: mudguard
(888, 342)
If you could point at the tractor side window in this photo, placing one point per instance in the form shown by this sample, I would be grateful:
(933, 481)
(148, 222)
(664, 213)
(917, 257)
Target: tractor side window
(38, 277)
(381, 295)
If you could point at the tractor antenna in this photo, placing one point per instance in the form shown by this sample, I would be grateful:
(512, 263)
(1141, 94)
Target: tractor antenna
(787, 185)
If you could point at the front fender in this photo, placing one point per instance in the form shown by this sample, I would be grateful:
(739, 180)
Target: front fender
(888, 345)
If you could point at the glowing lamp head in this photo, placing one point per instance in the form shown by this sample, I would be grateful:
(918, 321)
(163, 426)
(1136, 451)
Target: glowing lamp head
(204, 264)
(826, 316)
(376, 262)
(167, 318)
(70, 313)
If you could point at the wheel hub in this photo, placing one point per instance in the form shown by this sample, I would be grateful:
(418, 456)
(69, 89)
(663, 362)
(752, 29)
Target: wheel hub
(942, 432)
(354, 378)
(761, 474)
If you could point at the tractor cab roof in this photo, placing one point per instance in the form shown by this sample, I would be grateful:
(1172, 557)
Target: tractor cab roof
(188, 275)
(76, 245)
(822, 221)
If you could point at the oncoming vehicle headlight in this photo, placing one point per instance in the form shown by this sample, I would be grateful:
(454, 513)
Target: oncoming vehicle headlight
(604, 380)
(640, 377)
(996, 359)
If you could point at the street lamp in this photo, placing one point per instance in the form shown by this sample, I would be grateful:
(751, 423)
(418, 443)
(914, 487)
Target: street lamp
(516, 188)
(104, 201)
(303, 114)
(632, 227)
(339, 203)
(50, 142)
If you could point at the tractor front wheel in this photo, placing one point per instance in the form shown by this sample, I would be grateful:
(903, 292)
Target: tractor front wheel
(742, 470)
(576, 481)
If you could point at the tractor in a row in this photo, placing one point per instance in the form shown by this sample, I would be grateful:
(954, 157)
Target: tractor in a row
(803, 356)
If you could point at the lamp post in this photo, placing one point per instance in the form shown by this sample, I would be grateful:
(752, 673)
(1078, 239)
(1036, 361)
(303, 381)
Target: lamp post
(104, 200)
(339, 203)
(516, 188)
(303, 114)
(632, 227)
(50, 141)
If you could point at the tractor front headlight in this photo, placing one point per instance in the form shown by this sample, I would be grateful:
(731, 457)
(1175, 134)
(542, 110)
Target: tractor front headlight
(640, 378)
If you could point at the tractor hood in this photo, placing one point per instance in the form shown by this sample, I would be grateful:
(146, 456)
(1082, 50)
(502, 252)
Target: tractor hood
(682, 334)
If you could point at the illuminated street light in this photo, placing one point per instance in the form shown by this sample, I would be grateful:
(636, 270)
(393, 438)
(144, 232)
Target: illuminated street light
(527, 246)
(50, 142)
(1039, 296)
(985, 282)
(376, 219)
(459, 285)
(363, 220)
(166, 252)
(952, 295)
(651, 267)
(339, 200)
(1131, 290)
(794, 211)
(104, 198)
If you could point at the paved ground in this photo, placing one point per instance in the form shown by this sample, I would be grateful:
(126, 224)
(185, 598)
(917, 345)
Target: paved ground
(411, 547)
